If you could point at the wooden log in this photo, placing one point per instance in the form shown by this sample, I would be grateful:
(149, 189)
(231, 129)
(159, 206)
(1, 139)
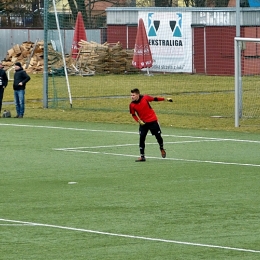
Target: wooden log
(17, 49)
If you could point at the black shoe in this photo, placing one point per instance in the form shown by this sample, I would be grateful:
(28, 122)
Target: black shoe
(163, 153)
(20, 116)
(16, 116)
(141, 159)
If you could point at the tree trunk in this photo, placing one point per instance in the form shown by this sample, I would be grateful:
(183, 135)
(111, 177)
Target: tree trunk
(73, 9)
(161, 3)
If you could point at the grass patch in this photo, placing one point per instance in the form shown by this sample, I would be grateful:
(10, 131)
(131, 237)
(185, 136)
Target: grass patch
(200, 102)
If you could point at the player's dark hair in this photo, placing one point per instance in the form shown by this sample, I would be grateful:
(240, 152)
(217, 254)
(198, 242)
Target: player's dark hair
(135, 90)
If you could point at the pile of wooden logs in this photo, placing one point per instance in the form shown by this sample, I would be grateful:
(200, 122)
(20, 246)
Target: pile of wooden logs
(105, 58)
(30, 55)
(91, 58)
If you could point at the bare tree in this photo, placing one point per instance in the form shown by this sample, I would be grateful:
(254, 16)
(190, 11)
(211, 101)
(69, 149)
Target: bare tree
(163, 3)
(15, 12)
(33, 9)
(150, 3)
(145, 3)
(210, 3)
(87, 8)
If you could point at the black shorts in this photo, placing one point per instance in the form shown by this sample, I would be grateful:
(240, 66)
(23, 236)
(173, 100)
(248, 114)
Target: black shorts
(154, 128)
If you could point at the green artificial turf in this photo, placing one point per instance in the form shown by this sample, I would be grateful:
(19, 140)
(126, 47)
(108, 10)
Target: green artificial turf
(201, 202)
(199, 101)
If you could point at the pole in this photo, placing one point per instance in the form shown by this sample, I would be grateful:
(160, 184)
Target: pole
(45, 55)
(237, 61)
(239, 83)
(62, 52)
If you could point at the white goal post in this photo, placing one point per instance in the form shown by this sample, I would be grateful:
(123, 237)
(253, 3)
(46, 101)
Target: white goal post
(47, 39)
(62, 51)
(239, 45)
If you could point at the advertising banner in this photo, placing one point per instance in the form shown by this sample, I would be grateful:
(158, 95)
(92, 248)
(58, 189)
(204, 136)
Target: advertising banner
(170, 39)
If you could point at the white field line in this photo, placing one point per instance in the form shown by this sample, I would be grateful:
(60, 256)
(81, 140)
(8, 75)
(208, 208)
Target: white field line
(132, 236)
(124, 145)
(158, 158)
(16, 225)
(126, 132)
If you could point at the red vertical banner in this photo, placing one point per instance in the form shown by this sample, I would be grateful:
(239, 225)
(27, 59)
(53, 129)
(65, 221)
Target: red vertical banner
(142, 57)
(79, 34)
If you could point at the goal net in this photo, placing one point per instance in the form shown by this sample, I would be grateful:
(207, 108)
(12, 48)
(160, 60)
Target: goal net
(247, 81)
(203, 93)
(72, 58)
(57, 92)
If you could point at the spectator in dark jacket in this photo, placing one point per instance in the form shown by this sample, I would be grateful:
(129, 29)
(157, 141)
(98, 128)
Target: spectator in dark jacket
(3, 84)
(20, 80)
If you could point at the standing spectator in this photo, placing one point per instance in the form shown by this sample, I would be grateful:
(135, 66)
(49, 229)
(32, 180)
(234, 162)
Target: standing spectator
(20, 80)
(3, 84)
(142, 112)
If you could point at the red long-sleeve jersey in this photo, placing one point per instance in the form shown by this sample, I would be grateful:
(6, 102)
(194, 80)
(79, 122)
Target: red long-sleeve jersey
(142, 108)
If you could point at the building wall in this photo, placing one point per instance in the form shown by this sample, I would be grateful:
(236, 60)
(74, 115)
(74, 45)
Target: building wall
(18, 36)
(122, 33)
(213, 33)
(220, 50)
(199, 55)
(213, 52)
(213, 47)
(251, 52)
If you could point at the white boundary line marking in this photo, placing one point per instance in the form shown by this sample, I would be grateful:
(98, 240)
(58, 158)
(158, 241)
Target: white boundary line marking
(176, 159)
(131, 236)
(158, 158)
(124, 145)
(126, 132)
(16, 225)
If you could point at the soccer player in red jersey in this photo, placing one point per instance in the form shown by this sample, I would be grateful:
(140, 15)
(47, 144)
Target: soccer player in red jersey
(142, 112)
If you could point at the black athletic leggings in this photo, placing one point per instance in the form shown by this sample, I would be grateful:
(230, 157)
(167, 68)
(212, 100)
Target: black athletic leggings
(1, 96)
(143, 133)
